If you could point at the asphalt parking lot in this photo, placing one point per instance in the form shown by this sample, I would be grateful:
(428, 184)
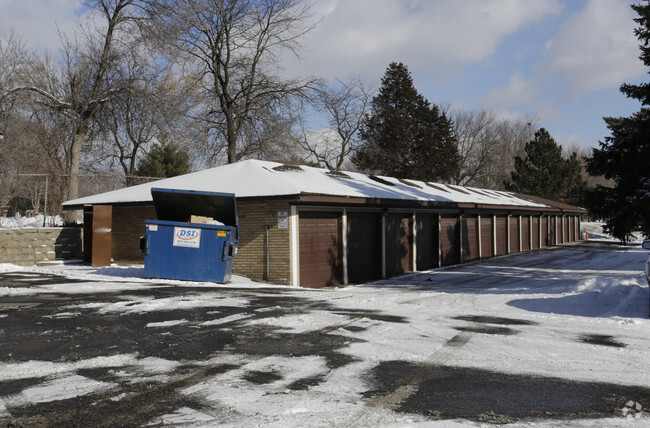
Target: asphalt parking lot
(136, 354)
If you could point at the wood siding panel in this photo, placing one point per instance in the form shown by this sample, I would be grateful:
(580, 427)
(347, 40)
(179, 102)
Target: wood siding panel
(101, 244)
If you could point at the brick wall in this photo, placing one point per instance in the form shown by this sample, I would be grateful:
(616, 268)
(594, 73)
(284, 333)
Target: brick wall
(254, 217)
(27, 247)
(128, 227)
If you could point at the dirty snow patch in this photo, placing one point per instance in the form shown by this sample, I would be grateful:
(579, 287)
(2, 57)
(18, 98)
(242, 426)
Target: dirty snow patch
(62, 389)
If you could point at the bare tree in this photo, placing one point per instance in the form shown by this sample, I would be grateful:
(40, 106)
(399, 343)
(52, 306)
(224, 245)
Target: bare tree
(479, 145)
(269, 137)
(514, 134)
(78, 85)
(21, 129)
(343, 104)
(231, 49)
(583, 153)
(488, 146)
(151, 110)
(13, 58)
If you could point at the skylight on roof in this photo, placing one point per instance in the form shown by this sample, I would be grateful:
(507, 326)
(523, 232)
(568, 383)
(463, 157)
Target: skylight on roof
(442, 189)
(339, 174)
(408, 183)
(458, 189)
(478, 192)
(380, 180)
(288, 168)
(490, 193)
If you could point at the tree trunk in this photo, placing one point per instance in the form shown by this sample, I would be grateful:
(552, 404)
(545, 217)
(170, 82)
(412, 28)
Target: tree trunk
(232, 152)
(78, 140)
(231, 137)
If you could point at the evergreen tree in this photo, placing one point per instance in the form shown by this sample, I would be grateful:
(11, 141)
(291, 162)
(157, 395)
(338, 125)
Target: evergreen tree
(624, 157)
(164, 160)
(544, 172)
(404, 136)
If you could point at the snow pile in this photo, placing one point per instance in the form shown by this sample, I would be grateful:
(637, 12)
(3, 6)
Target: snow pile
(632, 409)
(36, 221)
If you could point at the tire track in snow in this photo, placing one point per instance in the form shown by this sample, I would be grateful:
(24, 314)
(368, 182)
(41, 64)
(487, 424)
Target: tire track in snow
(410, 385)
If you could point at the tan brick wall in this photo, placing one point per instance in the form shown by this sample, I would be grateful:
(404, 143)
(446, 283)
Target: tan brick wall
(254, 216)
(128, 227)
(27, 247)
(250, 261)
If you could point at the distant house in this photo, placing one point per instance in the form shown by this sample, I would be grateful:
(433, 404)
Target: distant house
(313, 227)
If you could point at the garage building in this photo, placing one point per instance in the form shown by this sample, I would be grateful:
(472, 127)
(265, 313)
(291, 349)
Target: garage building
(312, 227)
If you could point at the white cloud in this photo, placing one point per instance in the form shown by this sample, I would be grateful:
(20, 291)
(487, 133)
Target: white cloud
(36, 21)
(596, 48)
(569, 142)
(363, 36)
(518, 91)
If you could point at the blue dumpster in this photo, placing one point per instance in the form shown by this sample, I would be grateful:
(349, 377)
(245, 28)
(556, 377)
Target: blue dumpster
(194, 237)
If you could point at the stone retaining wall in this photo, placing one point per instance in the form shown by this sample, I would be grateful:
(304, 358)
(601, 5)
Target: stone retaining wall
(27, 247)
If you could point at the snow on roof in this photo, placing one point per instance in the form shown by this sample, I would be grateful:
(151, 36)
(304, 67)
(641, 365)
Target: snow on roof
(255, 178)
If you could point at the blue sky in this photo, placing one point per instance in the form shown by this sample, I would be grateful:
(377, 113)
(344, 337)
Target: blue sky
(562, 61)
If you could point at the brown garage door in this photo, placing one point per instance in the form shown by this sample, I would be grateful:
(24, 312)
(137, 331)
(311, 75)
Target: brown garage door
(525, 233)
(514, 234)
(364, 246)
(501, 236)
(535, 237)
(427, 240)
(399, 239)
(487, 247)
(320, 249)
(470, 238)
(450, 240)
(546, 240)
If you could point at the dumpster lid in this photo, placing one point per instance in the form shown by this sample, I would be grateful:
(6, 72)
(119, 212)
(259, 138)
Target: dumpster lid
(180, 205)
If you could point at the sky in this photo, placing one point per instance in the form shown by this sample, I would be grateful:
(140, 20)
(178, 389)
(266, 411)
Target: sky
(560, 61)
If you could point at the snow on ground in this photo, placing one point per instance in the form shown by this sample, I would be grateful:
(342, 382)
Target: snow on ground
(542, 321)
(38, 220)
